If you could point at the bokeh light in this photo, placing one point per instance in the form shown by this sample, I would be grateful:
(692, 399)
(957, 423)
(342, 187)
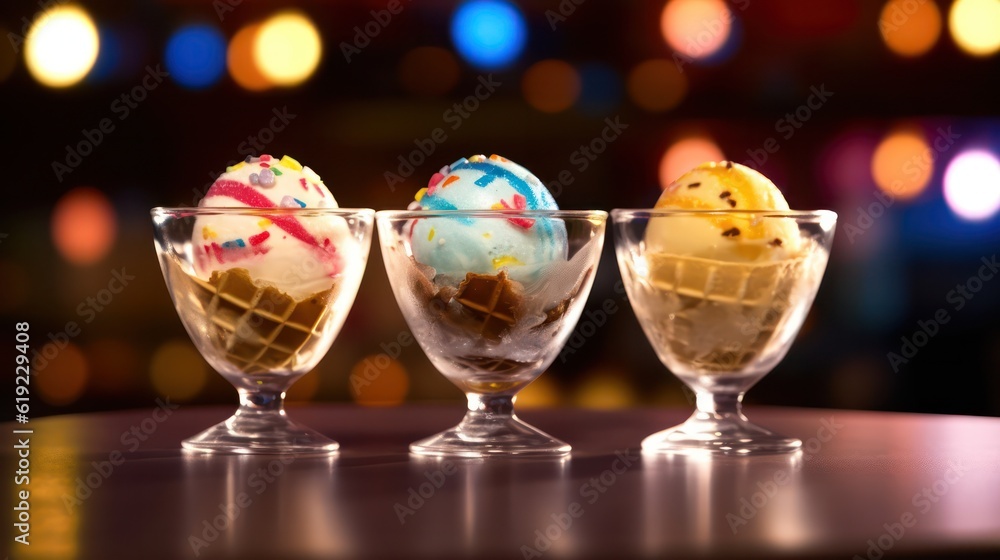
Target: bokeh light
(428, 71)
(910, 28)
(83, 225)
(241, 62)
(59, 373)
(110, 58)
(196, 56)
(543, 392)
(903, 163)
(696, 29)
(972, 185)
(489, 34)
(685, 154)
(61, 47)
(8, 58)
(975, 26)
(600, 89)
(177, 370)
(379, 380)
(551, 85)
(657, 85)
(604, 390)
(288, 48)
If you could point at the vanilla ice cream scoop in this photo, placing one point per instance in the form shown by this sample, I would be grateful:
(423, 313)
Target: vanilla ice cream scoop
(731, 236)
(299, 257)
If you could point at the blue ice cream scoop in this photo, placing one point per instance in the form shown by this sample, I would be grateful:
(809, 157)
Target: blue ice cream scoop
(457, 245)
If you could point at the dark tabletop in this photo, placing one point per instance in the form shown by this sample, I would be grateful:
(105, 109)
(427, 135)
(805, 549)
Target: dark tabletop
(117, 485)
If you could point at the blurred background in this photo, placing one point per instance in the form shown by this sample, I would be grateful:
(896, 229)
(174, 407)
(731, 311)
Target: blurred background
(884, 111)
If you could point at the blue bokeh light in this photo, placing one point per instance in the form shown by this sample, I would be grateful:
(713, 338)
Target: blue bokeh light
(489, 34)
(109, 57)
(196, 56)
(600, 89)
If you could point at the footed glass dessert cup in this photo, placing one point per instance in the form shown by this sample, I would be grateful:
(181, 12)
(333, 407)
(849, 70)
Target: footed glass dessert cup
(491, 297)
(264, 311)
(721, 311)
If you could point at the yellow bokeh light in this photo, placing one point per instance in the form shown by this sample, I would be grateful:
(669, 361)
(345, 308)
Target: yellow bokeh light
(657, 85)
(551, 86)
(83, 225)
(177, 370)
(604, 391)
(61, 47)
(288, 48)
(902, 164)
(540, 393)
(378, 380)
(59, 373)
(685, 154)
(241, 62)
(975, 26)
(428, 71)
(910, 28)
(696, 28)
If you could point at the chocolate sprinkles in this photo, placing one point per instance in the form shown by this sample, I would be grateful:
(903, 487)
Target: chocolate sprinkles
(725, 194)
(694, 185)
(775, 243)
(732, 203)
(729, 165)
(731, 232)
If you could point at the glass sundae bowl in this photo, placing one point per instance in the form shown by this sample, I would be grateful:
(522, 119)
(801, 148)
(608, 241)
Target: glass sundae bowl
(270, 316)
(491, 306)
(721, 312)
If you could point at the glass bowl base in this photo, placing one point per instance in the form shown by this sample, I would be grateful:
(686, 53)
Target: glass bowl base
(261, 434)
(719, 435)
(490, 437)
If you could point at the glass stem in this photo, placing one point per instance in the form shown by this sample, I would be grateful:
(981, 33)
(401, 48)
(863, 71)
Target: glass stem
(261, 402)
(490, 406)
(720, 405)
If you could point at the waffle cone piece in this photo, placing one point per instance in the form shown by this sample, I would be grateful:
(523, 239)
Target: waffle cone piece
(260, 329)
(715, 315)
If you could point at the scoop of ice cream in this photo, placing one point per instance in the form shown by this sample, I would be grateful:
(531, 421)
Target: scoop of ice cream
(723, 186)
(459, 245)
(295, 252)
